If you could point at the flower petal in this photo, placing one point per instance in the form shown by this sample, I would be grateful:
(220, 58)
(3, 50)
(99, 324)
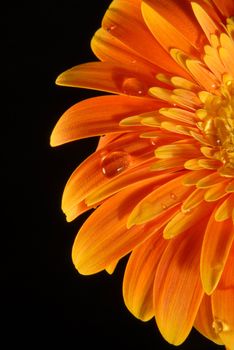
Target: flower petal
(216, 192)
(109, 48)
(193, 200)
(104, 237)
(225, 7)
(139, 173)
(208, 25)
(215, 250)
(185, 219)
(227, 60)
(110, 77)
(204, 320)
(98, 116)
(193, 177)
(209, 180)
(225, 210)
(111, 267)
(139, 277)
(166, 196)
(124, 21)
(202, 75)
(173, 24)
(223, 304)
(177, 287)
(176, 150)
(98, 169)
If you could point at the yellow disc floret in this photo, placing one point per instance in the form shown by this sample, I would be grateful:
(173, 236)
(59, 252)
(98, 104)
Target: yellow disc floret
(217, 124)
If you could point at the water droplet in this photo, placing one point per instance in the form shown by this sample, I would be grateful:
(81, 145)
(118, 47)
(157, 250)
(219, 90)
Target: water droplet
(133, 86)
(173, 196)
(187, 211)
(214, 86)
(111, 28)
(164, 206)
(153, 141)
(217, 325)
(114, 163)
(220, 326)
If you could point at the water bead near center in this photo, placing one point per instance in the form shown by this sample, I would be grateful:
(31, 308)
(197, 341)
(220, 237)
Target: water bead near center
(114, 163)
(219, 326)
(133, 86)
(173, 196)
(111, 28)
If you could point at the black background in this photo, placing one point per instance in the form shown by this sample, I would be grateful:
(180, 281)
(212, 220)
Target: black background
(45, 302)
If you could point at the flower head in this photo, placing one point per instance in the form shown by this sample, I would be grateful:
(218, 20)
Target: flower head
(162, 178)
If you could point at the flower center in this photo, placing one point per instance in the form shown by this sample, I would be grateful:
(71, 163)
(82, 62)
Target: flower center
(217, 123)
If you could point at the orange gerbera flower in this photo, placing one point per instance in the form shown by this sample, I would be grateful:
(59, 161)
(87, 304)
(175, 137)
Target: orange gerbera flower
(162, 177)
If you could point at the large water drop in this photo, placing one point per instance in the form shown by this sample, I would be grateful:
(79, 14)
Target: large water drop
(219, 326)
(114, 163)
(133, 86)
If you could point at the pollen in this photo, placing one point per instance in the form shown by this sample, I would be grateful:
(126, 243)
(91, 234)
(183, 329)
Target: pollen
(216, 123)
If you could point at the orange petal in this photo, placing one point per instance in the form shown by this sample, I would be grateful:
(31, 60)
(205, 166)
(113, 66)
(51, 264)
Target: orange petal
(98, 169)
(213, 62)
(98, 116)
(208, 25)
(204, 320)
(202, 75)
(209, 163)
(126, 179)
(216, 192)
(77, 210)
(193, 177)
(172, 23)
(223, 304)
(124, 21)
(109, 49)
(173, 164)
(209, 180)
(225, 210)
(176, 150)
(139, 277)
(177, 287)
(179, 114)
(111, 267)
(166, 196)
(104, 238)
(225, 7)
(186, 219)
(227, 60)
(215, 250)
(107, 76)
(192, 164)
(193, 200)
(230, 187)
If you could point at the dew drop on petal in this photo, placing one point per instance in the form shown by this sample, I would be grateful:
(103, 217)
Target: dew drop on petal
(187, 211)
(133, 86)
(214, 86)
(164, 206)
(114, 163)
(173, 196)
(111, 28)
(219, 326)
(153, 141)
